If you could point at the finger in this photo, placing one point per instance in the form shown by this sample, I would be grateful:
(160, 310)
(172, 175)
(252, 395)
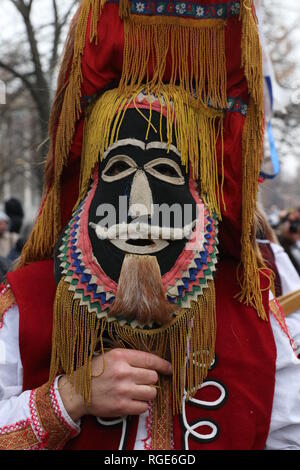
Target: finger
(136, 407)
(146, 360)
(144, 376)
(144, 393)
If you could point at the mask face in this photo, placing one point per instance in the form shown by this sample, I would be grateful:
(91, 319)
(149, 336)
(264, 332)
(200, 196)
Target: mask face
(142, 201)
(141, 182)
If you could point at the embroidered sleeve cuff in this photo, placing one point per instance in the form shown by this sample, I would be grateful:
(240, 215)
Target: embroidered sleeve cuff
(62, 411)
(50, 422)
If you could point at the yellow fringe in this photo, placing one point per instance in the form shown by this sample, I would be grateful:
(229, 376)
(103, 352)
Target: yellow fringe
(196, 130)
(197, 52)
(201, 42)
(188, 342)
(124, 7)
(252, 158)
(45, 232)
(252, 55)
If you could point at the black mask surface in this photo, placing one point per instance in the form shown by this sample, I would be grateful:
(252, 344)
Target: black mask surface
(153, 187)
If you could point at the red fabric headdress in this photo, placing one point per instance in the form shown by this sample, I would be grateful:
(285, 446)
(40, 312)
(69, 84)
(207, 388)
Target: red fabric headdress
(208, 50)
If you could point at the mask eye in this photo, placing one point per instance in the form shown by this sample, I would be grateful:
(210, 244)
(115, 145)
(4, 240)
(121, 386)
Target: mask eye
(118, 167)
(166, 170)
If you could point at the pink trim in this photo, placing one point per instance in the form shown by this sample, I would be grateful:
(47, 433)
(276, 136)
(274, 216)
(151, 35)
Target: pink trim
(3, 290)
(58, 411)
(280, 318)
(84, 242)
(186, 256)
(154, 105)
(148, 441)
(15, 427)
(35, 422)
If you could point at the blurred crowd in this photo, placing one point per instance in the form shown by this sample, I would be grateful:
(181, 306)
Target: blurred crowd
(286, 225)
(13, 234)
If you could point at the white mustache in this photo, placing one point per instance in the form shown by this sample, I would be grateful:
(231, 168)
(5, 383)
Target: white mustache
(142, 231)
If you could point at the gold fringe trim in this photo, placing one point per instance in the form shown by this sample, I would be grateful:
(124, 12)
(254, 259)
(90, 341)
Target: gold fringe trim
(252, 55)
(44, 236)
(188, 342)
(252, 146)
(197, 51)
(252, 153)
(196, 130)
(162, 420)
(194, 43)
(124, 7)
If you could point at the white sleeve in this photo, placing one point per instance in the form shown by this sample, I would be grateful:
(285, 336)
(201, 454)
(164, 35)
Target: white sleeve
(34, 419)
(290, 282)
(284, 431)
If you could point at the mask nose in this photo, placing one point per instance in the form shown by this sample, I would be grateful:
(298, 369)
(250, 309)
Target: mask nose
(141, 201)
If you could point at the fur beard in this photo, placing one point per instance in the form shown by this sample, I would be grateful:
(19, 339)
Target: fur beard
(140, 295)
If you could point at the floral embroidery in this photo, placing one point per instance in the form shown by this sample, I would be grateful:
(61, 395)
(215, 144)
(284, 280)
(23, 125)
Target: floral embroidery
(236, 105)
(186, 9)
(140, 7)
(235, 8)
(180, 8)
(200, 11)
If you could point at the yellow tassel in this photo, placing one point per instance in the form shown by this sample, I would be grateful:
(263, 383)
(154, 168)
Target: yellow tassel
(196, 130)
(252, 158)
(124, 8)
(252, 55)
(188, 342)
(188, 42)
(43, 238)
(197, 51)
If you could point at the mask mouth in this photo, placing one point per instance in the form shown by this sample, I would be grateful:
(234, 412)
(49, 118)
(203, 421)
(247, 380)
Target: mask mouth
(139, 242)
(141, 238)
(140, 246)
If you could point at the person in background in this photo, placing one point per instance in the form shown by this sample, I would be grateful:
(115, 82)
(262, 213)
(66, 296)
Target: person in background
(15, 252)
(4, 268)
(7, 239)
(286, 277)
(289, 236)
(14, 210)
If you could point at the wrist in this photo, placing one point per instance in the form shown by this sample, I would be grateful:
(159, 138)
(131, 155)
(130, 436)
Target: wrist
(72, 400)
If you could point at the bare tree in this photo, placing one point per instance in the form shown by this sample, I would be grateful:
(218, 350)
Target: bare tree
(30, 70)
(281, 28)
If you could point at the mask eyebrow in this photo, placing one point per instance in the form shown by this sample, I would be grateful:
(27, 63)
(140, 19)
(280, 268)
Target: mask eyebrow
(124, 143)
(163, 146)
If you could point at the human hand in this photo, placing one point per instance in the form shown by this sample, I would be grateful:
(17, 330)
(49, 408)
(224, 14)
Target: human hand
(123, 382)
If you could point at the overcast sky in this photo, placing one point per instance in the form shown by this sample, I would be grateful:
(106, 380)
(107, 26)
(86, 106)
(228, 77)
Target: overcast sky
(11, 30)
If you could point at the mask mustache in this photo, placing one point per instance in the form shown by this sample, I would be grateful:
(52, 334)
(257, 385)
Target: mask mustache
(142, 231)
